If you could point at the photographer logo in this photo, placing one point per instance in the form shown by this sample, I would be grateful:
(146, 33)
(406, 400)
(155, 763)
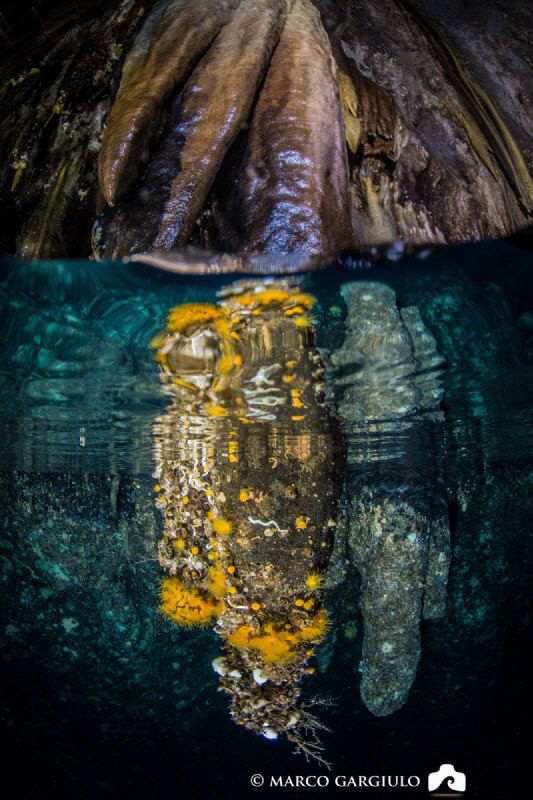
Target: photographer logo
(447, 778)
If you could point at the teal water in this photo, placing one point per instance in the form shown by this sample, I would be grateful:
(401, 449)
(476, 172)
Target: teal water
(102, 694)
(79, 381)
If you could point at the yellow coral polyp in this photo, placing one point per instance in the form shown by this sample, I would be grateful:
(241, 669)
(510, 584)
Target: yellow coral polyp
(222, 526)
(316, 630)
(240, 638)
(217, 581)
(225, 363)
(276, 297)
(306, 300)
(314, 581)
(269, 297)
(187, 607)
(274, 646)
(214, 410)
(189, 315)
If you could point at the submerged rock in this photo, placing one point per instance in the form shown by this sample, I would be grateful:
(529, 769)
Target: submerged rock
(388, 387)
(248, 479)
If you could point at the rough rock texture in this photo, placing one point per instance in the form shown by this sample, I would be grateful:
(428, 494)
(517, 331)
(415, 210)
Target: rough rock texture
(388, 387)
(435, 109)
(55, 93)
(448, 167)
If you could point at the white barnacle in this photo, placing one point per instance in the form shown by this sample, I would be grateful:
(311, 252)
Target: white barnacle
(220, 665)
(259, 676)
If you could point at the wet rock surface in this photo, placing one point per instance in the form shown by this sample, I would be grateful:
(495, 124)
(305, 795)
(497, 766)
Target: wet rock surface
(55, 94)
(293, 193)
(205, 117)
(434, 110)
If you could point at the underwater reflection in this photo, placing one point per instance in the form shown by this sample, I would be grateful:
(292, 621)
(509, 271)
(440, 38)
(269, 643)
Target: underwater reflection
(250, 467)
(248, 480)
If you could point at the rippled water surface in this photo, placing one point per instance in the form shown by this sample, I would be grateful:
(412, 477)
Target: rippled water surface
(80, 386)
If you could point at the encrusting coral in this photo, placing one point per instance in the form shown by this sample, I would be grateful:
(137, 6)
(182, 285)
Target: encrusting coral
(186, 606)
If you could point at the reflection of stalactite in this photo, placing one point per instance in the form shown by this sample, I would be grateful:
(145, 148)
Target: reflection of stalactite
(247, 485)
(387, 393)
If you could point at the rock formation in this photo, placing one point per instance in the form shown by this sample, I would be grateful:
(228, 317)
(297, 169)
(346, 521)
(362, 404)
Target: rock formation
(284, 125)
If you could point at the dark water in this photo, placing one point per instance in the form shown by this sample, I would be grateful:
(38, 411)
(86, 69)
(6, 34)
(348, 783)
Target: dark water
(103, 697)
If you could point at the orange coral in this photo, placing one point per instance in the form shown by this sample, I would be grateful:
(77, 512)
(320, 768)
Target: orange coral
(185, 606)
(316, 630)
(274, 646)
(222, 526)
(276, 297)
(189, 315)
(314, 581)
(277, 646)
(217, 581)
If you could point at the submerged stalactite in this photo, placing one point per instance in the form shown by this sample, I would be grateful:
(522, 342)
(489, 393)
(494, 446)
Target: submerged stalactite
(388, 382)
(223, 142)
(248, 478)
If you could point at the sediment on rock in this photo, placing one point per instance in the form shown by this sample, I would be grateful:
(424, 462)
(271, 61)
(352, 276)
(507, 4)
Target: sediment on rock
(387, 396)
